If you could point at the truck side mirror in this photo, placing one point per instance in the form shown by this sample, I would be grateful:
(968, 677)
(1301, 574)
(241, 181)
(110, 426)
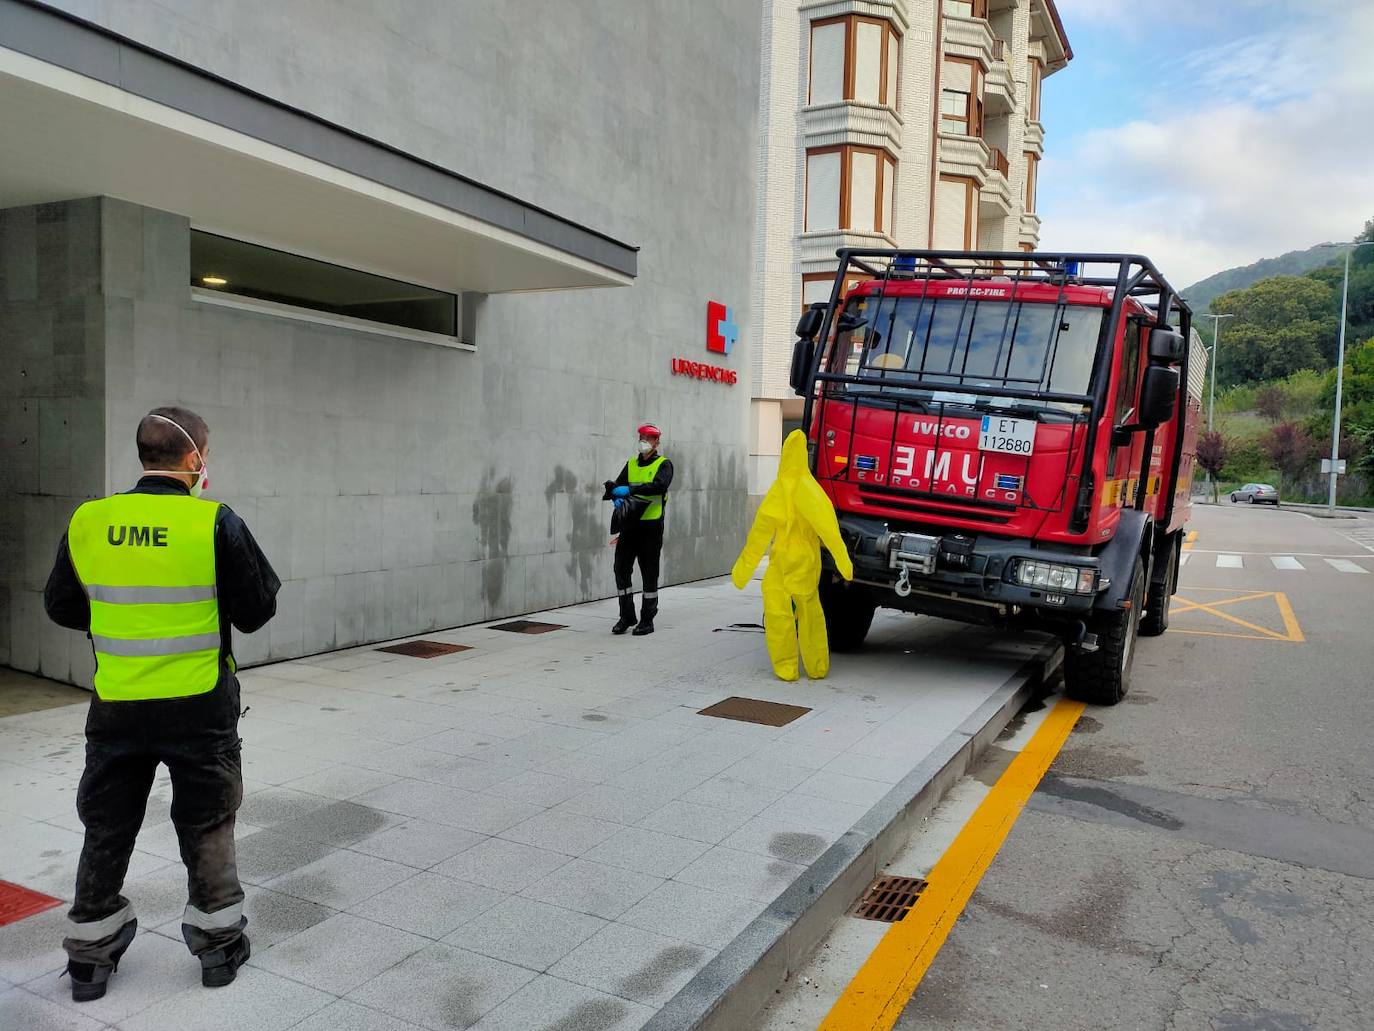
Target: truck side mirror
(809, 325)
(1158, 395)
(803, 357)
(1166, 345)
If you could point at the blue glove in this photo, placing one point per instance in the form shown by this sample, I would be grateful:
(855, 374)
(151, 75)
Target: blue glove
(621, 492)
(619, 503)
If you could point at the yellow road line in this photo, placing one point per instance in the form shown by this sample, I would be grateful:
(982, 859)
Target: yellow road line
(1189, 539)
(885, 983)
(1293, 632)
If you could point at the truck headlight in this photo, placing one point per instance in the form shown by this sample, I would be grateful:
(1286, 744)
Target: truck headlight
(1051, 576)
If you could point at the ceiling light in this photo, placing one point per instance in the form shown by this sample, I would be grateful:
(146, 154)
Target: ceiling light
(214, 280)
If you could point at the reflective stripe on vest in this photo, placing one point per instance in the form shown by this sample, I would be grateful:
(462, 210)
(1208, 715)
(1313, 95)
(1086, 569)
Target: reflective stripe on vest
(147, 562)
(637, 473)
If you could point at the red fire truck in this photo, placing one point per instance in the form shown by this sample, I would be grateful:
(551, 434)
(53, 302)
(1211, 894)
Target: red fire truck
(1008, 439)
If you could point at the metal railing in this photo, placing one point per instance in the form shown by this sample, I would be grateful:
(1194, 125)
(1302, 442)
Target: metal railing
(999, 49)
(997, 160)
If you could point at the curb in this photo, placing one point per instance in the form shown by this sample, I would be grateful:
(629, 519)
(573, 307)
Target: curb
(728, 992)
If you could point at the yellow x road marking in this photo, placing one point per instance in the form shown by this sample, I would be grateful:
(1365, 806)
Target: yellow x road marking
(1292, 631)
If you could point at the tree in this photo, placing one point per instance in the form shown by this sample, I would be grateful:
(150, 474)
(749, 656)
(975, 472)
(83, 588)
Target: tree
(1357, 387)
(1271, 402)
(1213, 452)
(1291, 448)
(1282, 325)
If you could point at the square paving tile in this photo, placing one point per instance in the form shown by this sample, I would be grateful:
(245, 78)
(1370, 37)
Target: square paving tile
(339, 954)
(264, 855)
(526, 932)
(22, 1009)
(429, 904)
(442, 987)
(272, 805)
(257, 999)
(338, 823)
(633, 964)
(741, 873)
(504, 865)
(562, 832)
(651, 852)
(33, 946)
(694, 914)
(724, 792)
(272, 916)
(349, 1016)
(540, 788)
(841, 787)
(620, 804)
(342, 879)
(548, 1002)
(595, 888)
(418, 843)
(341, 782)
(690, 820)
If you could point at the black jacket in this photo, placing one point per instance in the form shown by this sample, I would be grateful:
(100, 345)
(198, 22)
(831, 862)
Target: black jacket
(246, 585)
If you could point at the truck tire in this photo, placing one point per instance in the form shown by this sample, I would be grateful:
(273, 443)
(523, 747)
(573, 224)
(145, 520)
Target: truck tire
(849, 612)
(1158, 598)
(1103, 677)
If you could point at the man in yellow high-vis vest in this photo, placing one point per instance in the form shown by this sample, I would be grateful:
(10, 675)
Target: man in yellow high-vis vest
(645, 479)
(156, 578)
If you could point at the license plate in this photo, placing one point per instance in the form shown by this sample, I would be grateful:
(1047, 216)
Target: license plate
(1007, 436)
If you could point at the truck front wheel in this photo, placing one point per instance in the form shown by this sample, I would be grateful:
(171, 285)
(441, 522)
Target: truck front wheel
(848, 613)
(1103, 677)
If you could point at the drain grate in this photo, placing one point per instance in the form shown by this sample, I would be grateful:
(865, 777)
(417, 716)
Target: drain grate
(888, 899)
(18, 902)
(424, 649)
(528, 626)
(754, 710)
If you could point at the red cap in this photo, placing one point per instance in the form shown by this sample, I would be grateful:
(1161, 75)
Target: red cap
(650, 430)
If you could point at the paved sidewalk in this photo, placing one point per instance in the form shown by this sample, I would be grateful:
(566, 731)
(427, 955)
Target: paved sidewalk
(539, 832)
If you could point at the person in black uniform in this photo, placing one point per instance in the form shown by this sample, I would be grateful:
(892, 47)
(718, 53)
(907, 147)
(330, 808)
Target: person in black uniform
(644, 480)
(168, 574)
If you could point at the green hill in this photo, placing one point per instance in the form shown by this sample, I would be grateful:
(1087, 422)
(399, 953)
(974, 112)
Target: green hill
(1294, 263)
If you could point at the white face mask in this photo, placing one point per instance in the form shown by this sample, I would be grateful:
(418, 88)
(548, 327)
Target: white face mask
(645, 446)
(203, 480)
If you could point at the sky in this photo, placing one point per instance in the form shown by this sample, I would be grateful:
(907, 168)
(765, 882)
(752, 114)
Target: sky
(1209, 135)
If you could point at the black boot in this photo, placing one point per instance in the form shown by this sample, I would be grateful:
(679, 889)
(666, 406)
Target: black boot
(627, 614)
(646, 617)
(219, 967)
(89, 980)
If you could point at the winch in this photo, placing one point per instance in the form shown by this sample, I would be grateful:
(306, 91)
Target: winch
(910, 553)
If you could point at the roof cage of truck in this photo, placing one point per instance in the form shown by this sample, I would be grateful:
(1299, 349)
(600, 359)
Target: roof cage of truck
(1125, 274)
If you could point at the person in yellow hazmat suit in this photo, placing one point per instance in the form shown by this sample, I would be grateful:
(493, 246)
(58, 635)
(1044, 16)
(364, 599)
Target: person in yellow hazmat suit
(796, 518)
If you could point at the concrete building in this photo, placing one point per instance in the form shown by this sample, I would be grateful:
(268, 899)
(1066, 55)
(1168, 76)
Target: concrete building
(908, 123)
(423, 267)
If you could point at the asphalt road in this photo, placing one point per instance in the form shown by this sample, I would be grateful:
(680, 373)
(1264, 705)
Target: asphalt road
(1201, 856)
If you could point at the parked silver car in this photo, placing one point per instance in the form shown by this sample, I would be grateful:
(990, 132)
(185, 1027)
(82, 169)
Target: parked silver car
(1256, 493)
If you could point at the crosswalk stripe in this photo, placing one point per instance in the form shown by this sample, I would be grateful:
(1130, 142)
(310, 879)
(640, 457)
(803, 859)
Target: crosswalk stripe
(1344, 565)
(1230, 562)
(1285, 562)
(1184, 557)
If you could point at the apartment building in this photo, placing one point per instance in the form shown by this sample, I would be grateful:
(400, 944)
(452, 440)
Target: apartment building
(884, 123)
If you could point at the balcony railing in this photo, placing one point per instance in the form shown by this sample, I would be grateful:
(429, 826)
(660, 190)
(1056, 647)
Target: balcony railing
(999, 49)
(998, 161)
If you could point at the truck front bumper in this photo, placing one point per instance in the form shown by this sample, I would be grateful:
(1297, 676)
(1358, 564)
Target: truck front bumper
(1003, 574)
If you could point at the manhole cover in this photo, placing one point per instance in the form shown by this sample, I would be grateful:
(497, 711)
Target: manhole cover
(528, 626)
(424, 649)
(888, 899)
(17, 902)
(753, 710)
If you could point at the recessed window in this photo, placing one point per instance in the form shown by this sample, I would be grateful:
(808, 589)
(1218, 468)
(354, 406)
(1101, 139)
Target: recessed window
(854, 58)
(966, 8)
(850, 188)
(229, 266)
(1032, 171)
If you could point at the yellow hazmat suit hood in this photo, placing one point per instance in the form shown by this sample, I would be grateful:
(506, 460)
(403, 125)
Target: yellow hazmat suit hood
(796, 518)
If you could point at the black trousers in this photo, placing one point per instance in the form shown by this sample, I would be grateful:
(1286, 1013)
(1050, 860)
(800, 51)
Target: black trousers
(640, 542)
(197, 739)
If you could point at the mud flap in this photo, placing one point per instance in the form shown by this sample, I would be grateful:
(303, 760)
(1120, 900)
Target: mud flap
(1118, 557)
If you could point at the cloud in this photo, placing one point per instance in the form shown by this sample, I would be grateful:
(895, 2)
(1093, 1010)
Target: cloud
(1272, 155)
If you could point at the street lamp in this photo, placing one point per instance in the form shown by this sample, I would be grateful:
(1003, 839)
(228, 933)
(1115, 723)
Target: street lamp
(1216, 340)
(1340, 377)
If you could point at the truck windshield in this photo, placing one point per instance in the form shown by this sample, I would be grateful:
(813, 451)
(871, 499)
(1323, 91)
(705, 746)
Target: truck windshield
(956, 345)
